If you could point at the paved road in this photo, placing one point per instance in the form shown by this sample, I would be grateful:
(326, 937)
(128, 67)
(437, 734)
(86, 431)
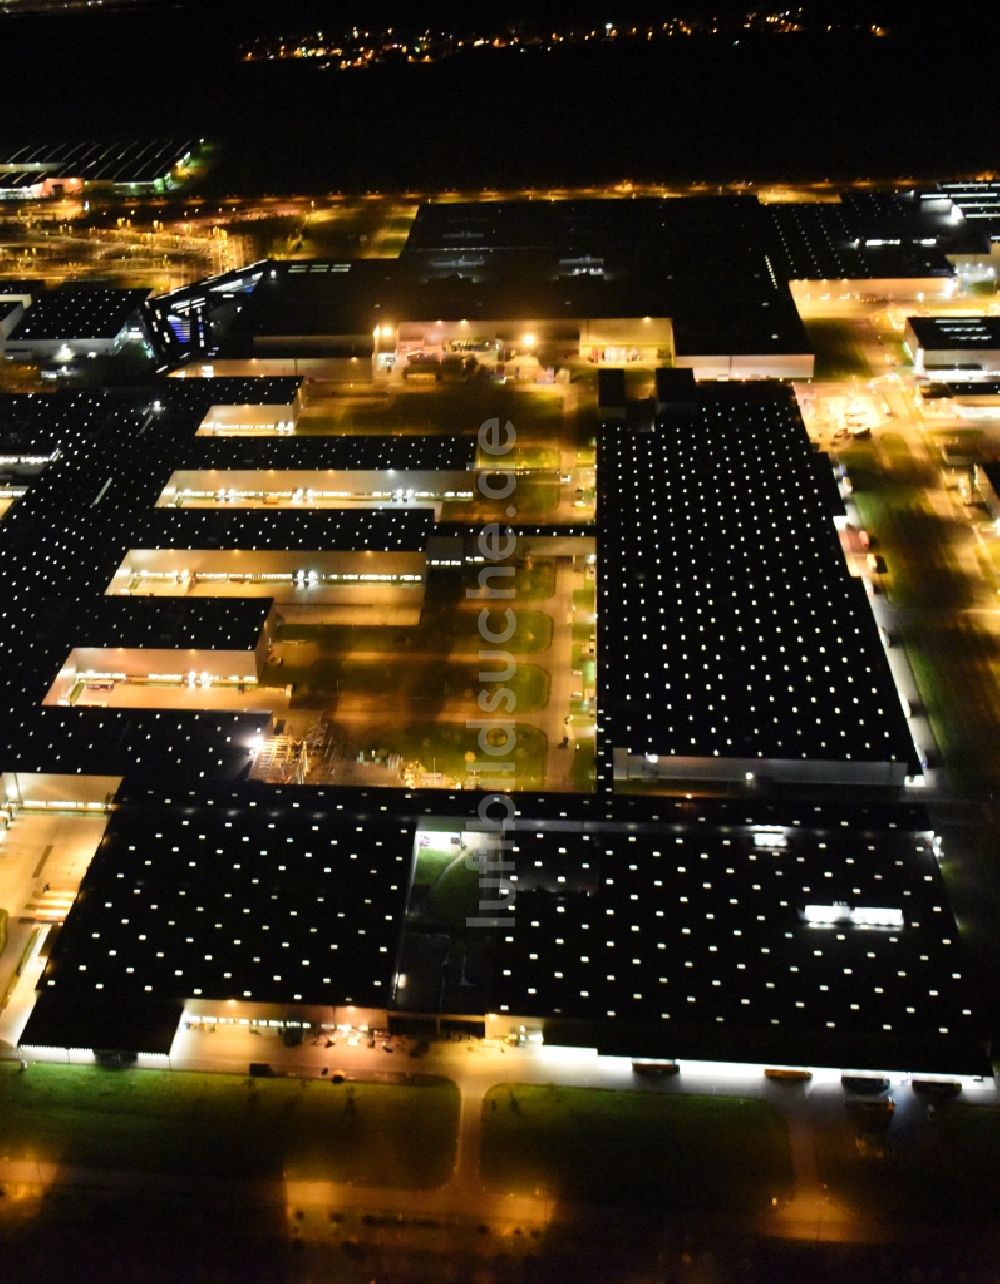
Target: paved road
(812, 1212)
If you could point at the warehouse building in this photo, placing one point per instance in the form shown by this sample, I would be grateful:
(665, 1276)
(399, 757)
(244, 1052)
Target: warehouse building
(67, 325)
(813, 934)
(526, 287)
(741, 647)
(961, 346)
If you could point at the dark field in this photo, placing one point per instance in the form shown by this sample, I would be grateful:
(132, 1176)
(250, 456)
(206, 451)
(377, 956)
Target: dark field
(711, 109)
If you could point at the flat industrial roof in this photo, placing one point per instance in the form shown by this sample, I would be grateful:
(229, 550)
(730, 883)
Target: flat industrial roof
(702, 261)
(116, 161)
(618, 227)
(280, 902)
(851, 242)
(733, 626)
(300, 313)
(310, 454)
(204, 624)
(384, 530)
(977, 334)
(196, 396)
(675, 928)
(699, 937)
(77, 314)
(37, 423)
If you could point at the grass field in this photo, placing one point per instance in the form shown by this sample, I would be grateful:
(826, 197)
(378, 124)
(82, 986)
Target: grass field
(438, 633)
(838, 355)
(954, 654)
(670, 1153)
(444, 410)
(181, 1123)
(585, 599)
(952, 1174)
(534, 497)
(455, 895)
(411, 682)
(453, 879)
(957, 670)
(430, 864)
(537, 458)
(530, 584)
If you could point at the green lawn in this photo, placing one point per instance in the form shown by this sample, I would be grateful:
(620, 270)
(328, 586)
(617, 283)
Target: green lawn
(438, 633)
(954, 655)
(529, 583)
(446, 409)
(431, 862)
(585, 599)
(533, 497)
(537, 458)
(838, 354)
(442, 746)
(583, 775)
(957, 669)
(456, 894)
(453, 880)
(411, 682)
(950, 1173)
(671, 1153)
(181, 1123)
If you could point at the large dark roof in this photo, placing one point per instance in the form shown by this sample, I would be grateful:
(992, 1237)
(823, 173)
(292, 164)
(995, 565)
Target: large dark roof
(857, 240)
(669, 926)
(281, 902)
(208, 624)
(703, 262)
(977, 334)
(348, 453)
(121, 161)
(617, 229)
(77, 314)
(333, 530)
(733, 628)
(37, 423)
(698, 935)
(21, 285)
(196, 396)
